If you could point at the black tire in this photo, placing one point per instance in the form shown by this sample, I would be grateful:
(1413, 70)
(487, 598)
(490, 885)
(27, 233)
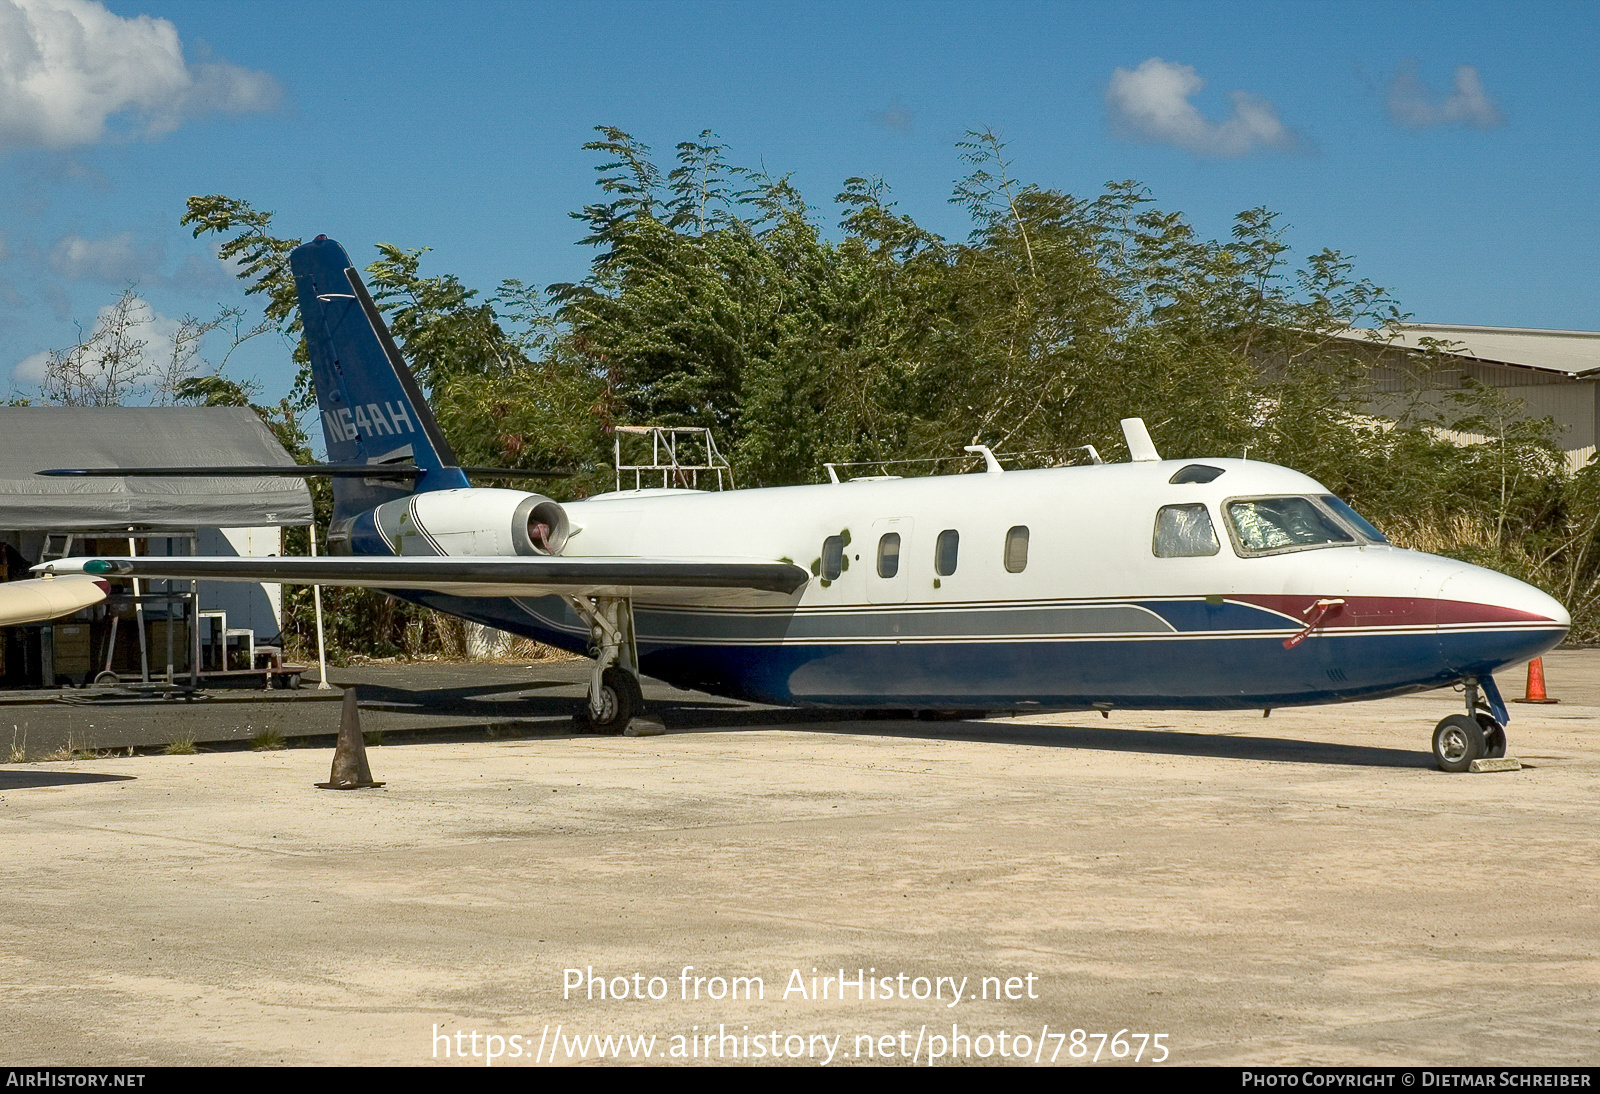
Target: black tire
(636, 705)
(1494, 738)
(1457, 741)
(620, 699)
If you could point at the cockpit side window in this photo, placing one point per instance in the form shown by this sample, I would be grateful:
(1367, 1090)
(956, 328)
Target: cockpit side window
(1272, 525)
(1184, 531)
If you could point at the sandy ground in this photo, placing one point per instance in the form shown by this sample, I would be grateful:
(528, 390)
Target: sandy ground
(1305, 889)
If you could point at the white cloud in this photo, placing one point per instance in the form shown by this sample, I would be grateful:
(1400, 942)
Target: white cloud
(70, 68)
(116, 258)
(1415, 105)
(1151, 103)
(29, 371)
(145, 324)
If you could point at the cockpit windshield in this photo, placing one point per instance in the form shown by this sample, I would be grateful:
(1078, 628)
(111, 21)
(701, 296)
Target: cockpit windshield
(1353, 518)
(1272, 525)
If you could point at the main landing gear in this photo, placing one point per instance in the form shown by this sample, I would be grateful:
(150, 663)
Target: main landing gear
(614, 693)
(1475, 735)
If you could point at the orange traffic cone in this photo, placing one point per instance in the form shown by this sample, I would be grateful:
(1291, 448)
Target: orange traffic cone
(1536, 684)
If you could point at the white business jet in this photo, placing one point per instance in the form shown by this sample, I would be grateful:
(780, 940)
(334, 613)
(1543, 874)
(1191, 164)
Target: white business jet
(1154, 584)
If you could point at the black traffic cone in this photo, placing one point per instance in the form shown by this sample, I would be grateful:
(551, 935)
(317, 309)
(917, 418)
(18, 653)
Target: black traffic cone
(350, 770)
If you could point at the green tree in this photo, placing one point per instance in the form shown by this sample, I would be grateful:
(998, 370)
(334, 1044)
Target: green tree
(715, 299)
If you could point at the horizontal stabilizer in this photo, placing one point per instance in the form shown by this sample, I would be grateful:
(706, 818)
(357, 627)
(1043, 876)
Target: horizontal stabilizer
(513, 575)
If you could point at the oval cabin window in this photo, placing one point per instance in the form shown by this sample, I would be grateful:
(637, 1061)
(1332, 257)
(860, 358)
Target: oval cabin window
(945, 552)
(1017, 549)
(832, 557)
(889, 554)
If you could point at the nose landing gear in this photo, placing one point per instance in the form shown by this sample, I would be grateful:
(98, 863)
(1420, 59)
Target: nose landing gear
(1476, 735)
(1457, 741)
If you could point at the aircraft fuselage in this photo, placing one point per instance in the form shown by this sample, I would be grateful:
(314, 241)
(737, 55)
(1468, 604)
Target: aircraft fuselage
(1041, 588)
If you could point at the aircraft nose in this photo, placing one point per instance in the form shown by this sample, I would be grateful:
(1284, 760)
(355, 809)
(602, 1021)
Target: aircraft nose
(1488, 620)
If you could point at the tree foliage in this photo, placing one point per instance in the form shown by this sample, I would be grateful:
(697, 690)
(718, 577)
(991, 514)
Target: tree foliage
(715, 297)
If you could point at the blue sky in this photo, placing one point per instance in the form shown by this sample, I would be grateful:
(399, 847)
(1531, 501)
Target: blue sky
(1449, 148)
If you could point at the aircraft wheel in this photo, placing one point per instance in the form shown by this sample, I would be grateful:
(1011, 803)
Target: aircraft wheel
(1494, 738)
(620, 699)
(1457, 741)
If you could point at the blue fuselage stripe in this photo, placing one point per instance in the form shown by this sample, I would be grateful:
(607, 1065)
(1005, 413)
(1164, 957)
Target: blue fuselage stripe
(1191, 669)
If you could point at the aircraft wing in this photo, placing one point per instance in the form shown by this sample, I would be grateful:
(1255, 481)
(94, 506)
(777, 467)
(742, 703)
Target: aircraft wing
(42, 598)
(509, 576)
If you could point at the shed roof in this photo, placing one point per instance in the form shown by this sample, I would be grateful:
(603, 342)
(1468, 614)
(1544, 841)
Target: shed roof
(35, 438)
(1574, 353)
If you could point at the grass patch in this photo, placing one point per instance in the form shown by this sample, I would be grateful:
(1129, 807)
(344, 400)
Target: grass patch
(268, 740)
(72, 750)
(19, 752)
(373, 737)
(180, 746)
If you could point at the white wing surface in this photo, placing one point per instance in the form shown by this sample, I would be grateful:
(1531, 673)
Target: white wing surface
(43, 598)
(481, 576)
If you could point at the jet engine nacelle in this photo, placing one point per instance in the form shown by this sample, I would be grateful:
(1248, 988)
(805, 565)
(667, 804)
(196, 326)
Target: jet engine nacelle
(474, 522)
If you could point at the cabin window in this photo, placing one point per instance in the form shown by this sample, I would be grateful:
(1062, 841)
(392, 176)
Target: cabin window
(945, 551)
(1353, 518)
(1017, 549)
(832, 557)
(889, 554)
(1271, 525)
(1184, 531)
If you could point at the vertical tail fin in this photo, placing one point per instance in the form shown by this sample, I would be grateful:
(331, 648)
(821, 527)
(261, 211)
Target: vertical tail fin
(371, 407)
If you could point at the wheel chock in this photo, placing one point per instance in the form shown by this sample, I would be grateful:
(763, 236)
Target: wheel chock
(350, 770)
(1478, 767)
(642, 726)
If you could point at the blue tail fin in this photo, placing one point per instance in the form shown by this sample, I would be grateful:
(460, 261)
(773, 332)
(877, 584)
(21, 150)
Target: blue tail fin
(371, 407)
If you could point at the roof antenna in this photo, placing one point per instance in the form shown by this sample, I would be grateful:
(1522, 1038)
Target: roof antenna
(991, 465)
(1140, 447)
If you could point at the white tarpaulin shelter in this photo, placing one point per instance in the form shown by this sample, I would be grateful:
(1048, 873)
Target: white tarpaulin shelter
(45, 517)
(35, 438)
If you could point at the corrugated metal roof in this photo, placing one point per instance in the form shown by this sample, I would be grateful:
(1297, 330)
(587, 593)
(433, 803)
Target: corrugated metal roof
(35, 438)
(1574, 353)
